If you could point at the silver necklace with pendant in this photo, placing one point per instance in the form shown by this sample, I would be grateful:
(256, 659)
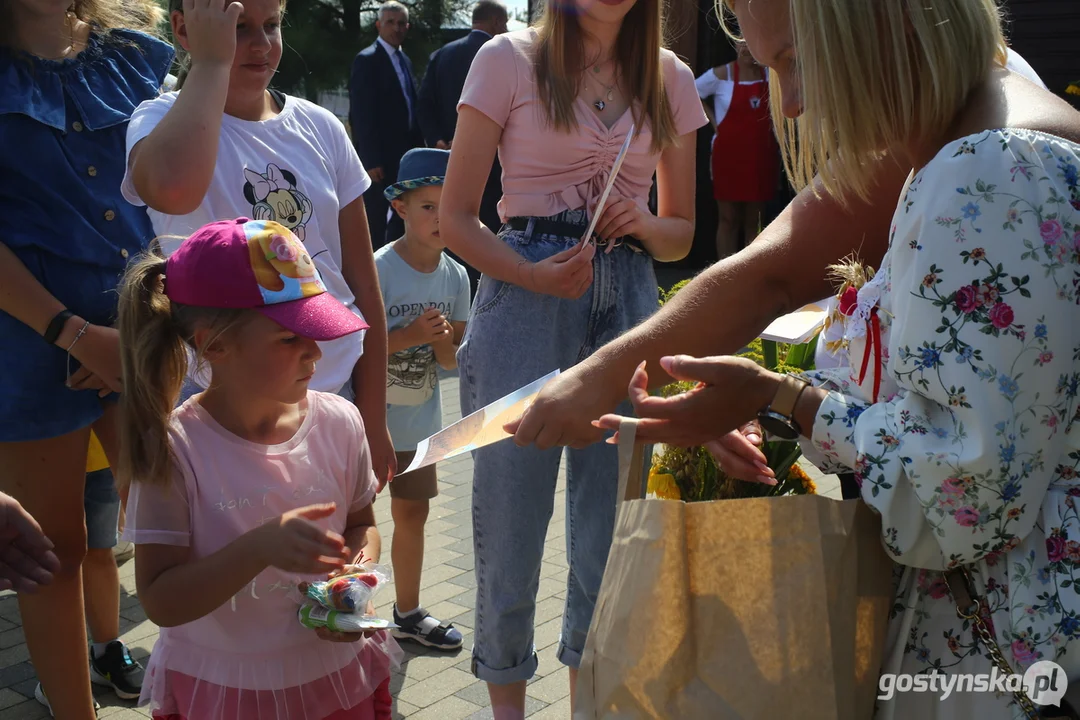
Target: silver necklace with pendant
(608, 94)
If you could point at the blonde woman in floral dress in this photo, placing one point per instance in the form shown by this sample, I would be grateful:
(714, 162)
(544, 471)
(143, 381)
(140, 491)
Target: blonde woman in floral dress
(957, 405)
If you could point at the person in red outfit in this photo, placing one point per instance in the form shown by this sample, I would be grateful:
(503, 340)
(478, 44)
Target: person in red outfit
(745, 156)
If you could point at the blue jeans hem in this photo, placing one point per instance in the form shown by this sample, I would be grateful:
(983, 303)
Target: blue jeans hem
(568, 657)
(506, 676)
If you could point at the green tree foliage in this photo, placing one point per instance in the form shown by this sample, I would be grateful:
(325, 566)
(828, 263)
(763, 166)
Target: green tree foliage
(321, 38)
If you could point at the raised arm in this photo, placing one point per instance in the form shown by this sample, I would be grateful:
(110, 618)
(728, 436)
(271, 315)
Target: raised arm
(193, 123)
(723, 308)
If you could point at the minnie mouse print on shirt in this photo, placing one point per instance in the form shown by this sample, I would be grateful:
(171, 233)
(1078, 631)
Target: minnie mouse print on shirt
(273, 196)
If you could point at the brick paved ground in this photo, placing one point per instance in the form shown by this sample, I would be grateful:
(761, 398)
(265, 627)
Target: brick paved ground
(430, 684)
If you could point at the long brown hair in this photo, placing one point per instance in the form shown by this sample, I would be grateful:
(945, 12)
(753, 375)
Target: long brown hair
(560, 63)
(143, 15)
(155, 338)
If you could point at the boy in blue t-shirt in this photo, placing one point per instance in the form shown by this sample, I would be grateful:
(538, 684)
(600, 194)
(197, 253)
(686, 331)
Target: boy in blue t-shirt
(426, 295)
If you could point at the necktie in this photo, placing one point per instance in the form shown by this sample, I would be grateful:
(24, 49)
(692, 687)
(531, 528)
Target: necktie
(406, 79)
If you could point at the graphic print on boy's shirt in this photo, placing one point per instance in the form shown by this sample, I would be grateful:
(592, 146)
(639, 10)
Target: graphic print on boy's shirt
(412, 373)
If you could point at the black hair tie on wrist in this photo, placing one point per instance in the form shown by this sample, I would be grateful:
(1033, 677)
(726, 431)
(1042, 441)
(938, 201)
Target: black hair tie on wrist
(56, 326)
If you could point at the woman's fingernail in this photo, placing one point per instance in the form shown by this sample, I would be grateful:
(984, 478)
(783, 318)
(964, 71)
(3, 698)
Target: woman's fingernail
(666, 362)
(595, 423)
(766, 480)
(754, 438)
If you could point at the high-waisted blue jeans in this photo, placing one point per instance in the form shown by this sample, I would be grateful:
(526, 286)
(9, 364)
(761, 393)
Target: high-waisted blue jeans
(514, 337)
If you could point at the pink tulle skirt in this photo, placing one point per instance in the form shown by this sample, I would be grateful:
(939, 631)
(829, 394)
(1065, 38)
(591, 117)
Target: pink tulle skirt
(377, 707)
(350, 681)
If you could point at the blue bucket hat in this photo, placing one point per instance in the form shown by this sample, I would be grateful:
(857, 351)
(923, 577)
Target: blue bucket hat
(420, 167)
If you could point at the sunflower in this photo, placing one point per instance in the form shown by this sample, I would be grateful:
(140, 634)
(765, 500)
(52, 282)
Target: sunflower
(663, 485)
(797, 473)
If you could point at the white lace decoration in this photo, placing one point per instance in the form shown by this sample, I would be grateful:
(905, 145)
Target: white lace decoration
(868, 298)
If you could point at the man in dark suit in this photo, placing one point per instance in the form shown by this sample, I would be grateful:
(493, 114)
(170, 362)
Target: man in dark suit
(441, 90)
(383, 112)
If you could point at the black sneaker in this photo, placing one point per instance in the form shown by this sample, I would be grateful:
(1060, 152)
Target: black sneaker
(39, 695)
(422, 628)
(117, 670)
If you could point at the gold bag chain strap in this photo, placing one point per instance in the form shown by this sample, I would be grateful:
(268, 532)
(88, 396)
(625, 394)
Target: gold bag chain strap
(970, 607)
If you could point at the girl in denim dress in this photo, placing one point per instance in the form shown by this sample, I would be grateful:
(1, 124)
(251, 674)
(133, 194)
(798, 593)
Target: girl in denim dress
(69, 80)
(557, 101)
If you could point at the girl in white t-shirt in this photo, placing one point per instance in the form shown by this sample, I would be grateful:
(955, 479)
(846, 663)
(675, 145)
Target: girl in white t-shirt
(226, 146)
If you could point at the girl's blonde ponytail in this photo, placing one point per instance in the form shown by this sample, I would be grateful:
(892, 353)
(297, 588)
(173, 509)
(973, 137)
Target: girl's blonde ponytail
(154, 357)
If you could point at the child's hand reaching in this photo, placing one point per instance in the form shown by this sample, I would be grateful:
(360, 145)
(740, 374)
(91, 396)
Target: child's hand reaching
(294, 543)
(211, 30)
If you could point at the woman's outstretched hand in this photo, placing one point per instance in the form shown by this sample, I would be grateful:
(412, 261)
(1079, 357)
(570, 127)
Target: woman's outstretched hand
(730, 391)
(559, 416)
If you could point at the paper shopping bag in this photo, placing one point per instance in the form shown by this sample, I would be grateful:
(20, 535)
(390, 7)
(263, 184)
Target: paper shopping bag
(756, 608)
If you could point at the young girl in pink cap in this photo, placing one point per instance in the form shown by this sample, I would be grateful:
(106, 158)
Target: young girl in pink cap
(235, 499)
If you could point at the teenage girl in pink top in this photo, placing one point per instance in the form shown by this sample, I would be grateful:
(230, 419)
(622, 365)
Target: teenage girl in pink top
(247, 488)
(556, 101)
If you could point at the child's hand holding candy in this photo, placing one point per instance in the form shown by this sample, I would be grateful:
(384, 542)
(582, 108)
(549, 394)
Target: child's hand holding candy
(332, 636)
(343, 590)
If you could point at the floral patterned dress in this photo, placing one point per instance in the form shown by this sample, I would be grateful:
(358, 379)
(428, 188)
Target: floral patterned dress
(955, 406)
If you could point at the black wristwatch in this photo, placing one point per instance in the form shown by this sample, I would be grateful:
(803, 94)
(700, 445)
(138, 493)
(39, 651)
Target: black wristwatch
(779, 418)
(56, 326)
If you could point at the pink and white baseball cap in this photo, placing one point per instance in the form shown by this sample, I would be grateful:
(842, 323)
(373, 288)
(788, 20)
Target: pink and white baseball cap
(258, 265)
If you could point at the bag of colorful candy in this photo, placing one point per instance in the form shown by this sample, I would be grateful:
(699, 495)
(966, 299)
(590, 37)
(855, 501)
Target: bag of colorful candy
(349, 593)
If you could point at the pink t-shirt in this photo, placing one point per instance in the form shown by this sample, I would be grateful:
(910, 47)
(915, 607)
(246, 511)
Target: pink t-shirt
(546, 171)
(252, 650)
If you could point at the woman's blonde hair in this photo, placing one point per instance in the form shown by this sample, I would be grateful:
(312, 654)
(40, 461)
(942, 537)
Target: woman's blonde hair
(875, 73)
(155, 337)
(143, 15)
(560, 64)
